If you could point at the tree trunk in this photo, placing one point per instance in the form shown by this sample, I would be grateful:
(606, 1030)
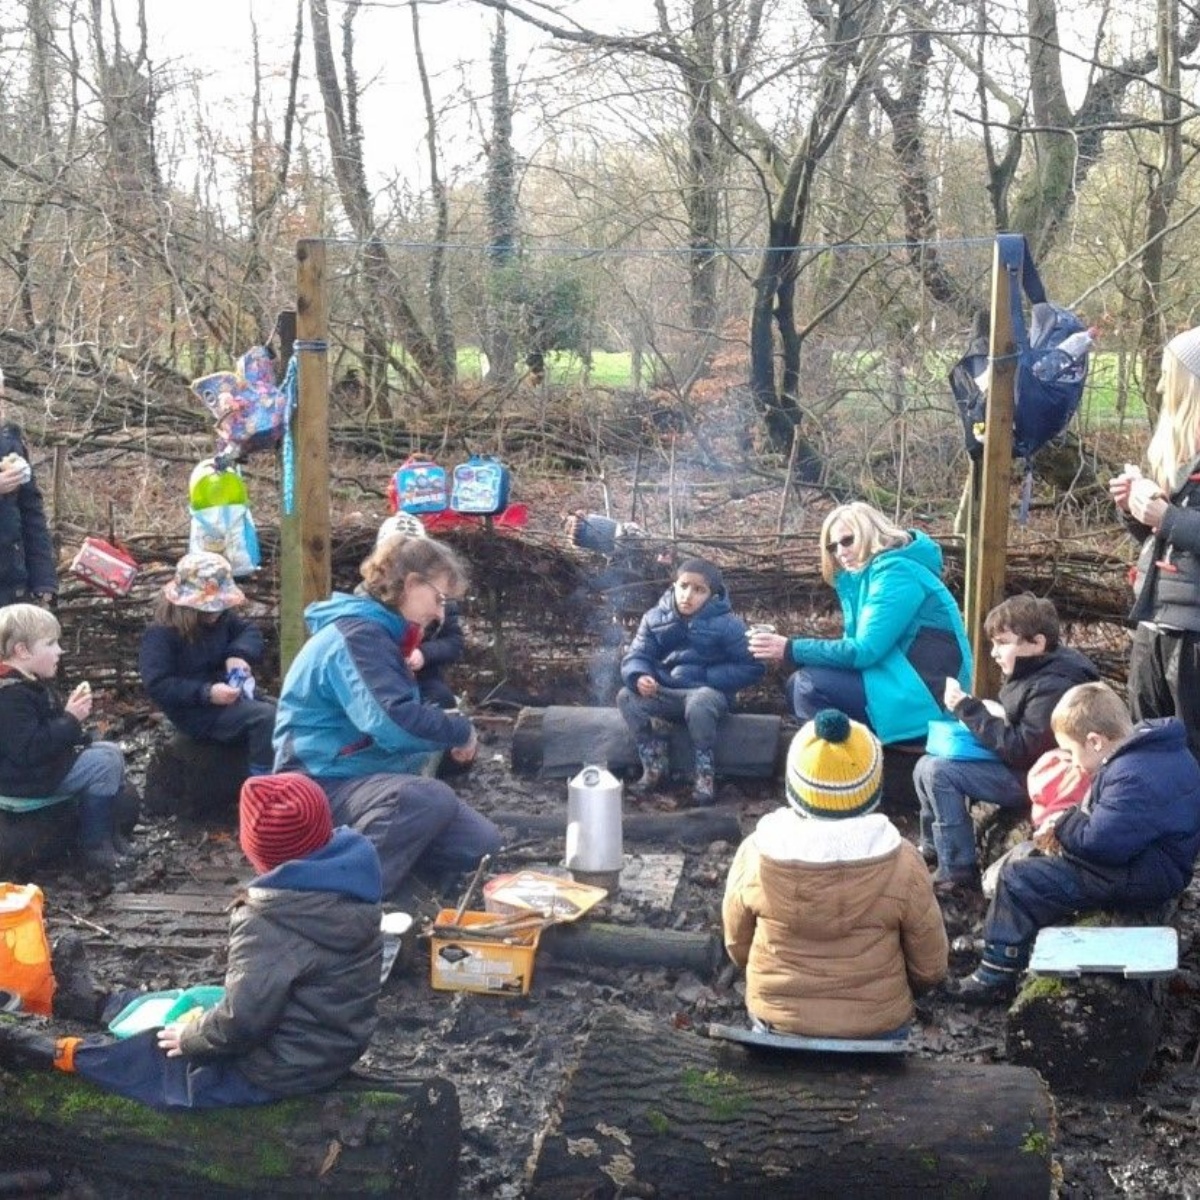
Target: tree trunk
(692, 827)
(601, 944)
(650, 1111)
(364, 1137)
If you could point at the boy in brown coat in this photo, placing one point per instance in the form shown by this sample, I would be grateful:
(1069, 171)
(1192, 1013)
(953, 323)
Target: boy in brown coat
(829, 909)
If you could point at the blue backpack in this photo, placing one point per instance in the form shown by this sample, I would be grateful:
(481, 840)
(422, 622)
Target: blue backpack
(1043, 407)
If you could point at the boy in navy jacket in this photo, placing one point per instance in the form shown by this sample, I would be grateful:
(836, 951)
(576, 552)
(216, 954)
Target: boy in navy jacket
(686, 664)
(1131, 844)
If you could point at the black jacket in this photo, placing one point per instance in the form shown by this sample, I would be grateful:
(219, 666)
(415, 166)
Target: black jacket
(27, 563)
(302, 975)
(1029, 695)
(39, 739)
(441, 646)
(178, 674)
(1167, 583)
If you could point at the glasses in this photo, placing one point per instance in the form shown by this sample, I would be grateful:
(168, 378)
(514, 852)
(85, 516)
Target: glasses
(442, 598)
(843, 543)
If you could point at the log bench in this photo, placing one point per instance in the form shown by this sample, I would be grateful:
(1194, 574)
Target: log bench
(652, 1111)
(35, 831)
(1094, 1035)
(363, 1137)
(194, 780)
(558, 741)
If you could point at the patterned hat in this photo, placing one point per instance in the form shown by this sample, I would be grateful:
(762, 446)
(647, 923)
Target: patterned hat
(401, 523)
(834, 768)
(1186, 348)
(204, 581)
(282, 817)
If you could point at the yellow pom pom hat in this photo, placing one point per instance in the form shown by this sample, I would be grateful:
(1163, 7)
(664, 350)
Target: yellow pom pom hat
(834, 768)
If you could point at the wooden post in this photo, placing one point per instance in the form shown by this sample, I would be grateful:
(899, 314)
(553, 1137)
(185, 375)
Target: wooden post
(305, 572)
(989, 547)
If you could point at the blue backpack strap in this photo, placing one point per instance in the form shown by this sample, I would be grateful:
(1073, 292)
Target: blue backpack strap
(1022, 275)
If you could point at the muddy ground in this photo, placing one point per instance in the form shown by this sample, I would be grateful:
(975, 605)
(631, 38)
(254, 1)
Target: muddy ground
(509, 1056)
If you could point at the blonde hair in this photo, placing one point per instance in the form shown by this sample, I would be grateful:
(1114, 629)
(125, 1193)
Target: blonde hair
(386, 569)
(24, 624)
(872, 530)
(1091, 708)
(1177, 435)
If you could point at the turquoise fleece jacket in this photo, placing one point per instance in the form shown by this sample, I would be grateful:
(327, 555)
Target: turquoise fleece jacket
(896, 606)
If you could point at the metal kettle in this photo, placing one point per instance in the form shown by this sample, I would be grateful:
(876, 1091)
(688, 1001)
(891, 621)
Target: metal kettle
(594, 841)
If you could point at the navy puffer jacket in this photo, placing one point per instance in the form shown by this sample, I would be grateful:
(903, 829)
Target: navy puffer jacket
(27, 564)
(710, 650)
(1143, 812)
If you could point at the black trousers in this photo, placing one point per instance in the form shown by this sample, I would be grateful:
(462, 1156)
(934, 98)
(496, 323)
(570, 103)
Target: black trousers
(1164, 678)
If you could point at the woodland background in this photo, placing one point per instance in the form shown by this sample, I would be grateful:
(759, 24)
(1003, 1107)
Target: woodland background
(735, 243)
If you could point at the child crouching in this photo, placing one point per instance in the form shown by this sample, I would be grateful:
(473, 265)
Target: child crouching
(829, 909)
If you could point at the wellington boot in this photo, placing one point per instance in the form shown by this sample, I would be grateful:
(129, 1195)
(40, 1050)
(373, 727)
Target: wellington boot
(23, 1044)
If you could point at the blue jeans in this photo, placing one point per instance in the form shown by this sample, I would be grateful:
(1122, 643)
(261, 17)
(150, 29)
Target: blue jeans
(1032, 893)
(700, 709)
(414, 823)
(811, 689)
(96, 777)
(249, 721)
(945, 787)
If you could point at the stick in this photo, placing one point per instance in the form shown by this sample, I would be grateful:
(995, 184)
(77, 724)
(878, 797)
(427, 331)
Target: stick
(671, 490)
(637, 473)
(108, 933)
(466, 900)
(787, 482)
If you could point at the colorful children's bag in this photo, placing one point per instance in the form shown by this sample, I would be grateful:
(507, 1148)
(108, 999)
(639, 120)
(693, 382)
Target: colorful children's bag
(24, 952)
(418, 486)
(250, 410)
(106, 567)
(480, 487)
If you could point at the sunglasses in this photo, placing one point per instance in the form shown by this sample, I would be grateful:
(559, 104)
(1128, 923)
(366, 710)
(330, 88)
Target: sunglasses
(843, 542)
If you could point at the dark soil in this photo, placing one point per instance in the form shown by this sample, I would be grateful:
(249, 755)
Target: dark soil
(508, 1057)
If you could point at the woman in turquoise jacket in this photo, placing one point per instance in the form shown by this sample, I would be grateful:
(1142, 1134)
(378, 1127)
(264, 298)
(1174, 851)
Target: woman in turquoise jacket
(902, 636)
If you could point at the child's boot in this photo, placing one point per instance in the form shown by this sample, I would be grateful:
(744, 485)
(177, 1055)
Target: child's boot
(704, 790)
(655, 756)
(995, 980)
(23, 1044)
(95, 835)
(76, 996)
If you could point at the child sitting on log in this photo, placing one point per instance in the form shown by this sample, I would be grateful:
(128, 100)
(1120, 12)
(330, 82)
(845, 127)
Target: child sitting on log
(1131, 844)
(301, 979)
(828, 908)
(1037, 671)
(197, 659)
(442, 640)
(687, 662)
(44, 748)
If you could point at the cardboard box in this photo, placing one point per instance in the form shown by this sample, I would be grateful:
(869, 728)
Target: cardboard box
(466, 964)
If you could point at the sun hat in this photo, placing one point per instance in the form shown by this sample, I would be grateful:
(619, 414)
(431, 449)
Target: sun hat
(281, 818)
(204, 581)
(834, 768)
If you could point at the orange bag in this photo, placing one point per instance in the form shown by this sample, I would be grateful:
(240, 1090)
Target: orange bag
(24, 951)
(1054, 784)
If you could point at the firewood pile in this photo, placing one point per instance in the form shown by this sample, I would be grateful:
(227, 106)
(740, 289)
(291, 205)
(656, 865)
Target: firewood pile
(537, 600)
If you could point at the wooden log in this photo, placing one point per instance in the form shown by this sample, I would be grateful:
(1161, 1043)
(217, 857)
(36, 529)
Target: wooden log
(364, 1137)
(600, 944)
(45, 835)
(1094, 1035)
(194, 780)
(691, 827)
(653, 1111)
(556, 742)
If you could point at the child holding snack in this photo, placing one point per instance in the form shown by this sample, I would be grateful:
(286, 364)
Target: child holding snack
(44, 748)
(197, 660)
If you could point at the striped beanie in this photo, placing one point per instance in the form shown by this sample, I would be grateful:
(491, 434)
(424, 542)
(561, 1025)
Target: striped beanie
(1186, 347)
(834, 768)
(282, 817)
